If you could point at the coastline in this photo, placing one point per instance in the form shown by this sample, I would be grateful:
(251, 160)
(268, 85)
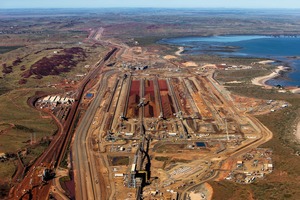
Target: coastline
(286, 53)
(295, 91)
(261, 80)
(179, 52)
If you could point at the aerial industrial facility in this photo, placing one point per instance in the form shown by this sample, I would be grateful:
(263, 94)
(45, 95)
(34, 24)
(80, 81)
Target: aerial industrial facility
(142, 121)
(153, 132)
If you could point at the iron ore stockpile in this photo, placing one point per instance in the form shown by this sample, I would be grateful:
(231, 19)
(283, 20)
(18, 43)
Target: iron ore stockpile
(134, 98)
(150, 108)
(167, 104)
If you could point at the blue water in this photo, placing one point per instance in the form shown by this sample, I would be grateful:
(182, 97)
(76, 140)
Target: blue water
(281, 49)
(89, 95)
(200, 144)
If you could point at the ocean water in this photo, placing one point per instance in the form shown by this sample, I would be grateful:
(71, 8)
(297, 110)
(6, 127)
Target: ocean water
(284, 49)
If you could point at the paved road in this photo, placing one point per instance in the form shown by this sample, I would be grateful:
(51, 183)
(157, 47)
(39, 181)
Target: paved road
(87, 183)
(264, 136)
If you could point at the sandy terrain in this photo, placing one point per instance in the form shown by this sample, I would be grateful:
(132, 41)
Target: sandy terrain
(266, 62)
(261, 81)
(180, 50)
(209, 66)
(226, 167)
(295, 90)
(237, 82)
(99, 33)
(298, 131)
(195, 196)
(206, 193)
(137, 49)
(190, 64)
(210, 191)
(169, 57)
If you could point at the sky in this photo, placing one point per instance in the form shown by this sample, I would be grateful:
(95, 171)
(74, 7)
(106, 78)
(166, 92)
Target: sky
(150, 3)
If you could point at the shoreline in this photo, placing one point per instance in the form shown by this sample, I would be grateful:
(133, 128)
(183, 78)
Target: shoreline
(295, 91)
(179, 52)
(261, 80)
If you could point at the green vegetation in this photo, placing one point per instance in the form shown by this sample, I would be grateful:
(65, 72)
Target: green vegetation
(7, 167)
(4, 127)
(17, 76)
(146, 41)
(34, 152)
(214, 59)
(4, 190)
(170, 148)
(64, 163)
(63, 180)
(3, 89)
(283, 182)
(25, 121)
(5, 49)
(170, 162)
(45, 35)
(23, 128)
(18, 121)
(119, 160)
(180, 161)
(161, 158)
(240, 75)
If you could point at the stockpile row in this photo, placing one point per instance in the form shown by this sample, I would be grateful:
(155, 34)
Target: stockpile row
(134, 98)
(150, 107)
(167, 104)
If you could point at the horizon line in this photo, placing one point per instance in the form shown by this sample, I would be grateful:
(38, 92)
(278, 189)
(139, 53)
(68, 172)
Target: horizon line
(183, 8)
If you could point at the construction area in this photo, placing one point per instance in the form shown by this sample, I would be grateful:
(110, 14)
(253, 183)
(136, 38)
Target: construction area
(161, 135)
(252, 165)
(152, 133)
(58, 105)
(156, 133)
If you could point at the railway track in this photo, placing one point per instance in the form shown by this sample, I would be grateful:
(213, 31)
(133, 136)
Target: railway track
(112, 95)
(117, 103)
(85, 172)
(177, 106)
(189, 97)
(74, 112)
(52, 157)
(265, 136)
